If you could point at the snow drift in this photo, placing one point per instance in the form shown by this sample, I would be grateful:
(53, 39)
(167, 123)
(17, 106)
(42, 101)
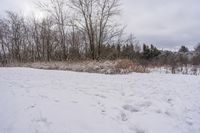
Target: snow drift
(48, 101)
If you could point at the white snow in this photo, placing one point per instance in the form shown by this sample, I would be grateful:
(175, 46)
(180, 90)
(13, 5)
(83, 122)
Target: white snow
(48, 101)
(189, 70)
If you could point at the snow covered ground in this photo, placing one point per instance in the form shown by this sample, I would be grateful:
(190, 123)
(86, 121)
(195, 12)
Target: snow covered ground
(189, 70)
(48, 101)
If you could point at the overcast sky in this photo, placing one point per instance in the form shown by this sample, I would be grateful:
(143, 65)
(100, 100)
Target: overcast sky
(165, 23)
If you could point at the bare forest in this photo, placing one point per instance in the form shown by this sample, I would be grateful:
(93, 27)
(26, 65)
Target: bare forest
(80, 30)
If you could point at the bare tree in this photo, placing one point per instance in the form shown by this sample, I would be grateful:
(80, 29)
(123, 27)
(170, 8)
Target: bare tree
(15, 23)
(58, 11)
(35, 32)
(96, 20)
(3, 40)
(108, 9)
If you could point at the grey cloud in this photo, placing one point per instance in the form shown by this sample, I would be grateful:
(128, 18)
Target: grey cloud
(25, 7)
(166, 23)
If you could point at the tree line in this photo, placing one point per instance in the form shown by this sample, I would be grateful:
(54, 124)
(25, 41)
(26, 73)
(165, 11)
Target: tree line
(77, 30)
(70, 29)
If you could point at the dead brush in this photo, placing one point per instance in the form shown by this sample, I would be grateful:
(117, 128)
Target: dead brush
(130, 66)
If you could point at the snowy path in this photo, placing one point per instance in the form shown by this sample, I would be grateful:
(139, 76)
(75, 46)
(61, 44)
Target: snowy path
(42, 101)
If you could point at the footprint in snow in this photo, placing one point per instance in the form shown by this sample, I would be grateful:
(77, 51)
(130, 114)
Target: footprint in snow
(101, 96)
(74, 101)
(43, 96)
(31, 107)
(123, 94)
(189, 121)
(170, 101)
(130, 108)
(123, 116)
(43, 121)
(56, 101)
(137, 130)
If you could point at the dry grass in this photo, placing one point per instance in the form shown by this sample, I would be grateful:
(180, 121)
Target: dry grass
(125, 64)
(105, 66)
(131, 66)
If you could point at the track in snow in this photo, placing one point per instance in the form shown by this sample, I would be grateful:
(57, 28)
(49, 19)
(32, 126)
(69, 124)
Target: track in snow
(45, 101)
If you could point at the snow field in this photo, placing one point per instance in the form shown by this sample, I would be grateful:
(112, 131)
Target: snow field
(46, 101)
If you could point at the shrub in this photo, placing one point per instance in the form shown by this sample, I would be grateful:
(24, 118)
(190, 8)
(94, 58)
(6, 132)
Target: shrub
(124, 64)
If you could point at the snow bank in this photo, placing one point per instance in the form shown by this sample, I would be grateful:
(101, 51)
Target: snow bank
(48, 101)
(189, 70)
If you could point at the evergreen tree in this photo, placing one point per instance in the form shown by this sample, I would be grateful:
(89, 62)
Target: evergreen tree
(183, 49)
(197, 49)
